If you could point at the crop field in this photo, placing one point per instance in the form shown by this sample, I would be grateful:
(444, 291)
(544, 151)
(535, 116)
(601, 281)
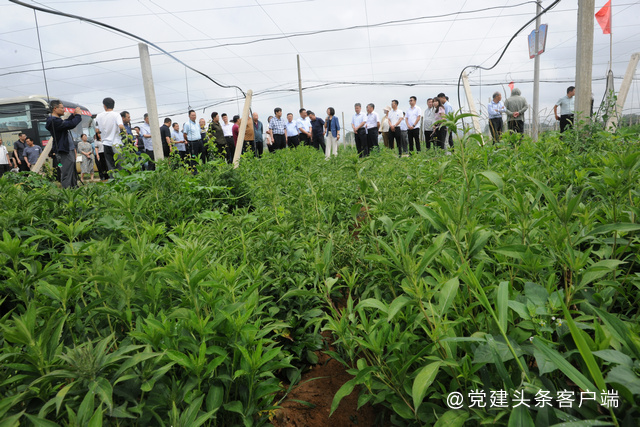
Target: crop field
(508, 275)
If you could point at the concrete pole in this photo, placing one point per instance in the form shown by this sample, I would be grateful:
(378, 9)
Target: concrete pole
(150, 97)
(299, 82)
(243, 128)
(584, 59)
(472, 105)
(536, 80)
(624, 91)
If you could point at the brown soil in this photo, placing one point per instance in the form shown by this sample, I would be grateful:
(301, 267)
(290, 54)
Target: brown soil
(331, 375)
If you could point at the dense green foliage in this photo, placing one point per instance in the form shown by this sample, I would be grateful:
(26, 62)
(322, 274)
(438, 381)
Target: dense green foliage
(167, 298)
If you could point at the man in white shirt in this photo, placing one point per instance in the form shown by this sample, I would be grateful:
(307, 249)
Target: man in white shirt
(291, 131)
(396, 116)
(227, 130)
(359, 131)
(191, 130)
(427, 123)
(304, 127)
(567, 107)
(372, 125)
(496, 108)
(414, 114)
(145, 130)
(109, 124)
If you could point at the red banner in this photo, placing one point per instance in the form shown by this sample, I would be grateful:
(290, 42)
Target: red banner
(603, 16)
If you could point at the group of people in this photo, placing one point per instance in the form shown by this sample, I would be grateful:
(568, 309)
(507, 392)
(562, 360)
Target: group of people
(25, 155)
(197, 140)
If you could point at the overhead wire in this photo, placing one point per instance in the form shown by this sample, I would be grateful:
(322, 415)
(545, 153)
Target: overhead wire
(551, 6)
(127, 33)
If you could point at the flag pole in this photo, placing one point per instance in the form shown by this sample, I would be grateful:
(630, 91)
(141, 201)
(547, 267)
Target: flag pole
(611, 35)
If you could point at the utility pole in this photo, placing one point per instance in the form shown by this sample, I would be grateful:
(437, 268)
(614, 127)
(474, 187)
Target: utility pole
(536, 78)
(584, 59)
(299, 82)
(150, 97)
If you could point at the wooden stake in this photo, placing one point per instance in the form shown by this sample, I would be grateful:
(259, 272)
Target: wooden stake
(242, 130)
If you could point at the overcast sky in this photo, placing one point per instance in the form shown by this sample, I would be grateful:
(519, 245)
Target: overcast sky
(429, 51)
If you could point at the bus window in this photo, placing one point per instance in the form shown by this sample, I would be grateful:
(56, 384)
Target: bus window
(15, 117)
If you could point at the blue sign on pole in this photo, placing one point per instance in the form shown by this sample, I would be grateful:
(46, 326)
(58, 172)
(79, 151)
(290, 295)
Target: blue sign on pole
(542, 41)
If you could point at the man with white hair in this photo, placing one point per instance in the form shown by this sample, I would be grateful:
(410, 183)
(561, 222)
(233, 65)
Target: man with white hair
(496, 109)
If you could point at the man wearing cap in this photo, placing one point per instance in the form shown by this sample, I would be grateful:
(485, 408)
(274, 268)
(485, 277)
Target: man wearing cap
(277, 130)
(567, 106)
(414, 114)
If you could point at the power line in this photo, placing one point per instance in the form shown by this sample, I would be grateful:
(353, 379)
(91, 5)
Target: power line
(112, 28)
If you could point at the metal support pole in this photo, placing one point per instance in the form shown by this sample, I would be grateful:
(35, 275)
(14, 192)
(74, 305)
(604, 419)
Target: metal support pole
(150, 98)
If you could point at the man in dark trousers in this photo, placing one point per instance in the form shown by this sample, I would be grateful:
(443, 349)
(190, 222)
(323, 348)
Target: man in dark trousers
(63, 145)
(165, 137)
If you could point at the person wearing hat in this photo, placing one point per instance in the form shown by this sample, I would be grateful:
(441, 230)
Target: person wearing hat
(384, 127)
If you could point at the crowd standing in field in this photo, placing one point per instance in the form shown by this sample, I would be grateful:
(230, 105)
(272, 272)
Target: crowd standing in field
(195, 141)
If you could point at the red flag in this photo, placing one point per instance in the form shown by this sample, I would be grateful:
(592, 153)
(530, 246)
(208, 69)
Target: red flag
(603, 16)
(511, 85)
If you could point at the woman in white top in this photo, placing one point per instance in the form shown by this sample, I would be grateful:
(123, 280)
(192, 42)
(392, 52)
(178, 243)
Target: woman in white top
(427, 123)
(267, 136)
(440, 131)
(4, 159)
(384, 126)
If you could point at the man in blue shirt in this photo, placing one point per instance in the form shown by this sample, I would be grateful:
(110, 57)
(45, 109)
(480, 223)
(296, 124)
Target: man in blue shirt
(191, 131)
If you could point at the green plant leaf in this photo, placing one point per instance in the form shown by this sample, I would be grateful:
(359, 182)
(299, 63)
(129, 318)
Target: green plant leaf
(452, 418)
(422, 381)
(342, 392)
(557, 359)
(520, 417)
